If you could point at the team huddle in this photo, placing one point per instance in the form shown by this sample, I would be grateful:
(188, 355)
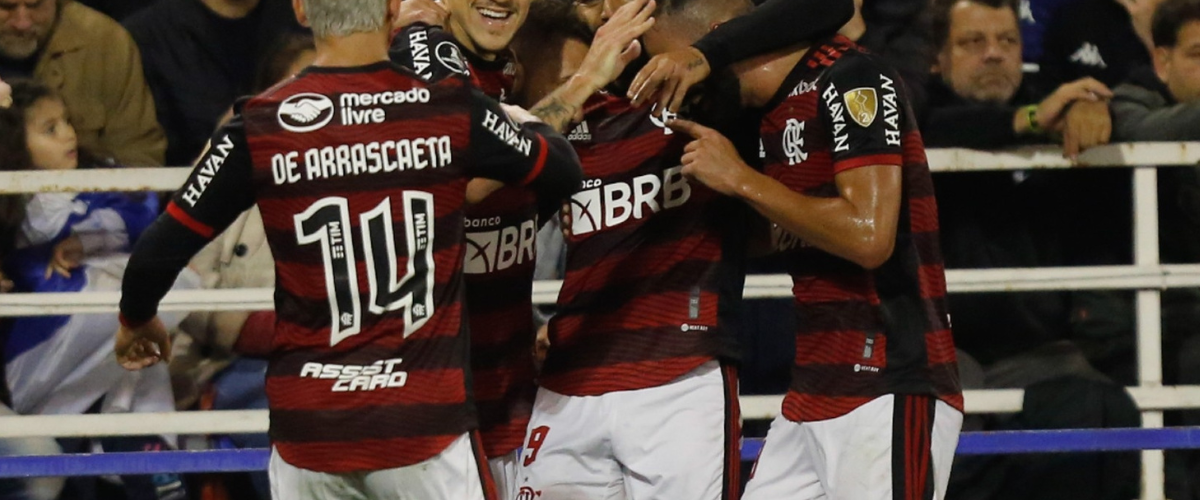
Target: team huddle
(402, 183)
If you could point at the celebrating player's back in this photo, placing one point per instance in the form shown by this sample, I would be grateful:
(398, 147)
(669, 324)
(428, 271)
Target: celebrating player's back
(360, 170)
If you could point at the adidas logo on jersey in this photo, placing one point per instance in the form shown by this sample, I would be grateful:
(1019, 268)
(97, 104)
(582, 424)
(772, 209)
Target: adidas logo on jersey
(1089, 55)
(580, 133)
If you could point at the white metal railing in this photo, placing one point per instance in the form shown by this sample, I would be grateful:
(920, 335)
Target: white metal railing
(1146, 276)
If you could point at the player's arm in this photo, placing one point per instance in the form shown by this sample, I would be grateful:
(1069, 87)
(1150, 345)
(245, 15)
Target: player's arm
(859, 224)
(773, 25)
(519, 150)
(217, 191)
(614, 47)
(413, 46)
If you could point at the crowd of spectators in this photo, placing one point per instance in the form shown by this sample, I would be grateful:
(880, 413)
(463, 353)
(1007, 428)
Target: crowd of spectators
(145, 82)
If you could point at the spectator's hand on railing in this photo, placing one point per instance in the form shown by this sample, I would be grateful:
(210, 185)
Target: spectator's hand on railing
(68, 255)
(1051, 112)
(143, 346)
(1087, 124)
(430, 12)
(6, 285)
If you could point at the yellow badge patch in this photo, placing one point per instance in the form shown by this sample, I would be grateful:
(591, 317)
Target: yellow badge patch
(863, 105)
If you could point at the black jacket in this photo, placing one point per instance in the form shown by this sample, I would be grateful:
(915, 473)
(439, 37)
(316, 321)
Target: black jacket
(198, 63)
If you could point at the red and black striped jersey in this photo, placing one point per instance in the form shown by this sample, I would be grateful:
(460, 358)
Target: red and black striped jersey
(648, 275)
(501, 252)
(860, 333)
(360, 176)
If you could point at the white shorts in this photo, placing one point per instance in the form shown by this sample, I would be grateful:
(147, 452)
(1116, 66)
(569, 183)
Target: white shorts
(880, 451)
(504, 472)
(454, 474)
(675, 441)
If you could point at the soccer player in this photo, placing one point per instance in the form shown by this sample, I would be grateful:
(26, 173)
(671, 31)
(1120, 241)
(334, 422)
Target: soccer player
(638, 392)
(360, 170)
(875, 407)
(500, 229)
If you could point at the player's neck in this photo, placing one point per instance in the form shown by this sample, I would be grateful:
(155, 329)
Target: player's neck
(358, 49)
(762, 76)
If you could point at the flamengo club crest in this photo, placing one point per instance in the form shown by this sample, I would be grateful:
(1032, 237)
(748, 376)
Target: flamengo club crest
(863, 104)
(793, 142)
(527, 493)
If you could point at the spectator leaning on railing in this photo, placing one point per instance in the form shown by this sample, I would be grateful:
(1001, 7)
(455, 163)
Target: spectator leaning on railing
(91, 62)
(981, 99)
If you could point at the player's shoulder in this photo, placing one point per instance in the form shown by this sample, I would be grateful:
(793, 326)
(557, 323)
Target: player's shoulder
(856, 63)
(431, 52)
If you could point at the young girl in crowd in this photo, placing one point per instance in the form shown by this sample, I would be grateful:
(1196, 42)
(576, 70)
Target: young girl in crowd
(73, 242)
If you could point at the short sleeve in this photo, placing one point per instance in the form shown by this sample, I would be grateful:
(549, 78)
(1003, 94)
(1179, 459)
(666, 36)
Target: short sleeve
(864, 109)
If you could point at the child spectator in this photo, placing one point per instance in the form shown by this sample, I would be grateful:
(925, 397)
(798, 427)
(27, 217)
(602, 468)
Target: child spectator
(66, 242)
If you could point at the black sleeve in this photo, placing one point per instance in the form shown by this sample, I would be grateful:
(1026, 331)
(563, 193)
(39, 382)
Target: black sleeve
(773, 25)
(218, 190)
(864, 109)
(532, 154)
(429, 51)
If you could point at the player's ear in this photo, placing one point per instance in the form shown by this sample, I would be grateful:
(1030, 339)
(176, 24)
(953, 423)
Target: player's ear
(301, 15)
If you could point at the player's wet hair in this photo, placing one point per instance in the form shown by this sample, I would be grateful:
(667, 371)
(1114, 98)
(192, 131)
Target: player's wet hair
(941, 16)
(338, 18)
(1170, 17)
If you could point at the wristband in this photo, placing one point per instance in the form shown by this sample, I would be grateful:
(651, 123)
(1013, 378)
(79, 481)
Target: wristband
(1030, 112)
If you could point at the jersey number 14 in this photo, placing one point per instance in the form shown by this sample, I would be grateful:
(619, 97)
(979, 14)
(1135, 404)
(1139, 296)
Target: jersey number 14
(327, 223)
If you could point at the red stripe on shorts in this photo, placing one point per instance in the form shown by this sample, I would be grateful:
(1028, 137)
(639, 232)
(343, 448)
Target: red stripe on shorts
(733, 434)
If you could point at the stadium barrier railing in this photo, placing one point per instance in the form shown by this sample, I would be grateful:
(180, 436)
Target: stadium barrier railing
(1147, 276)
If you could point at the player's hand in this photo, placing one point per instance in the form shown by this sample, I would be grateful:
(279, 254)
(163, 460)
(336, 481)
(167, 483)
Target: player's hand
(5, 95)
(144, 346)
(430, 12)
(615, 44)
(541, 345)
(711, 158)
(1087, 124)
(479, 189)
(68, 255)
(519, 114)
(668, 77)
(564, 219)
(1051, 111)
